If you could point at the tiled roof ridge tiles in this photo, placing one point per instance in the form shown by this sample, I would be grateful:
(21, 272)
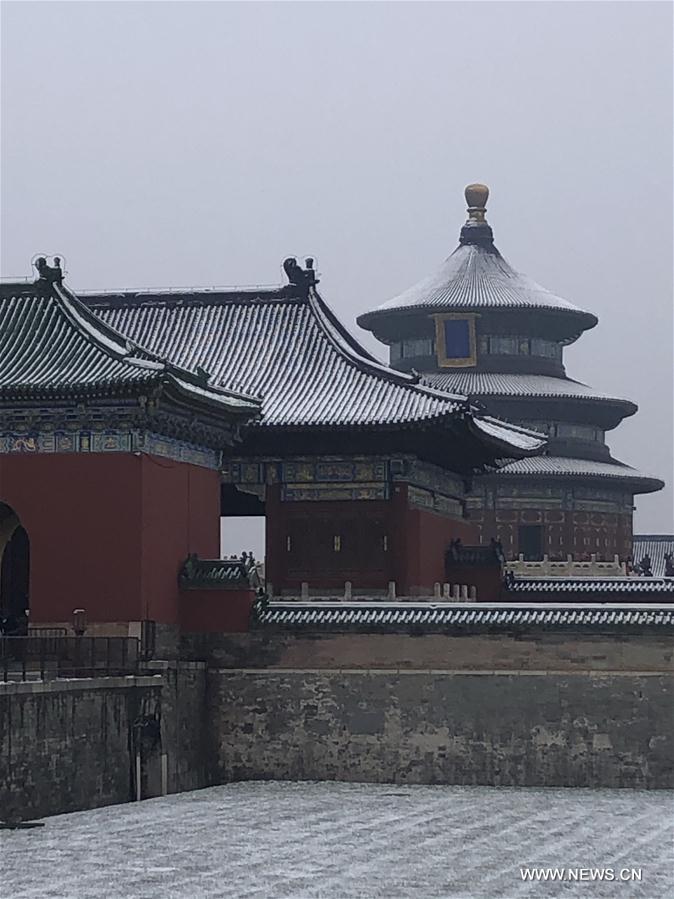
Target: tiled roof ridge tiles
(111, 340)
(458, 284)
(344, 342)
(339, 336)
(347, 345)
(176, 296)
(298, 307)
(104, 335)
(506, 384)
(550, 466)
(137, 364)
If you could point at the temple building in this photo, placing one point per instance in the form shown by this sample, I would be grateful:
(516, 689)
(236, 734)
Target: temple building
(110, 460)
(479, 328)
(360, 470)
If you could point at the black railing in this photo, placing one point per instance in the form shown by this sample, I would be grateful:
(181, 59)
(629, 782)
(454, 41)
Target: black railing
(49, 657)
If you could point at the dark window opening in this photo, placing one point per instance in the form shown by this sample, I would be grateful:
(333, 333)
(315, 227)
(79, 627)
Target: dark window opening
(530, 542)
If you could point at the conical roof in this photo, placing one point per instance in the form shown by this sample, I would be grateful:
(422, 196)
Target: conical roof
(477, 277)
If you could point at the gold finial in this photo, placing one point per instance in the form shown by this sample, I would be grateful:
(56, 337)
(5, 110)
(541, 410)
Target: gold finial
(476, 198)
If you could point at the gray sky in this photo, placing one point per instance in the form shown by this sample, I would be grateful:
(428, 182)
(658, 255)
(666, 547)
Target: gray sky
(182, 144)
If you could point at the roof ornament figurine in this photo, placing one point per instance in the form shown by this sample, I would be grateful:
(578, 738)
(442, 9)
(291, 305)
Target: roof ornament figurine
(48, 273)
(669, 565)
(644, 568)
(476, 230)
(301, 277)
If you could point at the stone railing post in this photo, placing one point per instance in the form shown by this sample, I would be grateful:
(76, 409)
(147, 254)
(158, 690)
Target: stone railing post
(305, 590)
(391, 589)
(436, 591)
(347, 590)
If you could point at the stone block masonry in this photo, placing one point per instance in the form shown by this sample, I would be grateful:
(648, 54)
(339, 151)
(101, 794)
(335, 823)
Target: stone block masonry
(534, 710)
(64, 745)
(444, 727)
(67, 745)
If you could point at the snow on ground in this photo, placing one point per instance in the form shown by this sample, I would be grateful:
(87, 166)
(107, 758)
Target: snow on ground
(337, 841)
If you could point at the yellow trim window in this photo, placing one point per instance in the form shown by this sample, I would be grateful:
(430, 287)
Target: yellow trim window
(455, 340)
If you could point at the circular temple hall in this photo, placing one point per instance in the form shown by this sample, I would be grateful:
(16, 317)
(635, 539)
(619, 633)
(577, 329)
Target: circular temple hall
(478, 328)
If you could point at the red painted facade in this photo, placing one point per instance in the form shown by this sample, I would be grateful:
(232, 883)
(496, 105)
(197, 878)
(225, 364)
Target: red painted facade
(579, 534)
(109, 532)
(216, 611)
(366, 542)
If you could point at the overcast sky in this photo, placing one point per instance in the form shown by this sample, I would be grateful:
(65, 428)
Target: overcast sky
(183, 144)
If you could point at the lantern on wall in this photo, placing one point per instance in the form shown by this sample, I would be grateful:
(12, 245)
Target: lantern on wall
(79, 621)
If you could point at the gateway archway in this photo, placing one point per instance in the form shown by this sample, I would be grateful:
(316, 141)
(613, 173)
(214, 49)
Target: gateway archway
(14, 571)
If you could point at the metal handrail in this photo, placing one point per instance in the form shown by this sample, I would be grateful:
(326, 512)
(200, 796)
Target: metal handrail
(51, 657)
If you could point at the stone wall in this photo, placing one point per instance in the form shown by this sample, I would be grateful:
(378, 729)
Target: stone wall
(65, 745)
(546, 651)
(544, 709)
(184, 737)
(452, 727)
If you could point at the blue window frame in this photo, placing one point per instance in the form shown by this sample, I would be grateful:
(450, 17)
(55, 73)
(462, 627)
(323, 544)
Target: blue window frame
(455, 340)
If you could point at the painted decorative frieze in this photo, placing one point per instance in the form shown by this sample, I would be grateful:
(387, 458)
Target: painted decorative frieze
(109, 442)
(348, 492)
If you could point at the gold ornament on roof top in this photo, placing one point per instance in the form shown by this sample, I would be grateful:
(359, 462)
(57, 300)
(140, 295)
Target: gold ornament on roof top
(476, 198)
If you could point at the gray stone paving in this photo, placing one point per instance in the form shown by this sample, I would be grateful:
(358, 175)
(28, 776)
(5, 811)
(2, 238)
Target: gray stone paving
(334, 840)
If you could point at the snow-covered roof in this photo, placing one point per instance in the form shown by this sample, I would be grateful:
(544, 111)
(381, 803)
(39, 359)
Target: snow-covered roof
(563, 466)
(52, 346)
(477, 277)
(464, 618)
(286, 346)
(655, 546)
(481, 383)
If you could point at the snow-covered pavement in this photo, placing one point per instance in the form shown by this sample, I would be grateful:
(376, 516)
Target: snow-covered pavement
(334, 840)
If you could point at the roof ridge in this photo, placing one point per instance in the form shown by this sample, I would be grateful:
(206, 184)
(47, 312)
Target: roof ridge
(107, 338)
(119, 349)
(355, 353)
(207, 296)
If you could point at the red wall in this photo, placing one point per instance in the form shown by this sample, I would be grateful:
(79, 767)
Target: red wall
(429, 536)
(578, 534)
(216, 611)
(415, 558)
(108, 532)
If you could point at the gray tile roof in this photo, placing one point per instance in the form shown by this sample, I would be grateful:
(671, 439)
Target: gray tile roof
(561, 466)
(478, 277)
(655, 545)
(52, 346)
(197, 574)
(611, 585)
(478, 384)
(290, 350)
(463, 619)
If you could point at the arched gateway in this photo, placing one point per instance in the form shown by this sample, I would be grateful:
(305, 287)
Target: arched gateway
(14, 571)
